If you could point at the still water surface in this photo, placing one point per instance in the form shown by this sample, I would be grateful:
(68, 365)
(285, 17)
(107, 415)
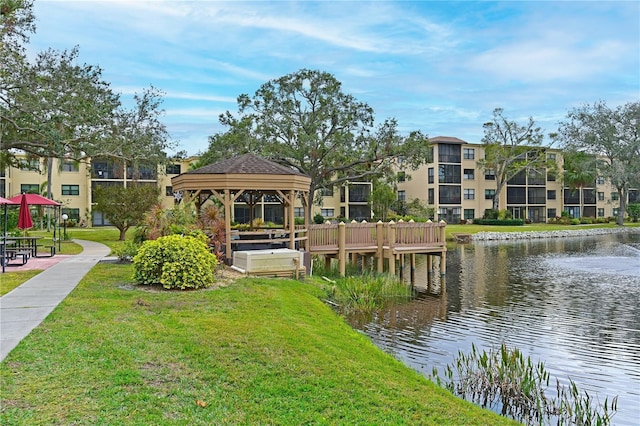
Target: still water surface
(573, 303)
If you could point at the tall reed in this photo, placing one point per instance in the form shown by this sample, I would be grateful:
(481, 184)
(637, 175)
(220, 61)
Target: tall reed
(512, 385)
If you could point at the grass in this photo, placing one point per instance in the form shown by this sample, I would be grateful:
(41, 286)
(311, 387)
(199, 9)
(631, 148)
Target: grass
(261, 351)
(11, 280)
(539, 227)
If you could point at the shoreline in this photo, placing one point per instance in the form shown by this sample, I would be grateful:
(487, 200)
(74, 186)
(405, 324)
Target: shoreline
(529, 235)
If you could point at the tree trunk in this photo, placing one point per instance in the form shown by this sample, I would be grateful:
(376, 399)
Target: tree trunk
(623, 205)
(123, 233)
(309, 207)
(49, 194)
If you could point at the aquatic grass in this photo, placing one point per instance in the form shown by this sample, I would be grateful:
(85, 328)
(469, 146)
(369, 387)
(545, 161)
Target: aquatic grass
(507, 382)
(369, 292)
(260, 351)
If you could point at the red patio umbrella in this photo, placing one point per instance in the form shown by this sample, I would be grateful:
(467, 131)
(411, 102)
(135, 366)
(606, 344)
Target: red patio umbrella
(24, 216)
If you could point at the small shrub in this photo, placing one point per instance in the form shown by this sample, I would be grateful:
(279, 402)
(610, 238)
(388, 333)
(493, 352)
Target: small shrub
(498, 222)
(318, 219)
(127, 251)
(574, 221)
(175, 261)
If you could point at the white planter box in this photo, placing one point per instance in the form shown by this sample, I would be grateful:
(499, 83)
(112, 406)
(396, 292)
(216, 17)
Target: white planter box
(267, 261)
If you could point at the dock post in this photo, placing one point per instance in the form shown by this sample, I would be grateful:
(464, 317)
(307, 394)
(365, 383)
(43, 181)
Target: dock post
(413, 268)
(342, 242)
(380, 239)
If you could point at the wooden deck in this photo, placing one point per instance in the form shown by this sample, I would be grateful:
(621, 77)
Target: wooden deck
(387, 242)
(384, 241)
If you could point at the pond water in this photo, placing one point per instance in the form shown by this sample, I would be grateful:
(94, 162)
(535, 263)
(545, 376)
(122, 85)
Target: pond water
(573, 303)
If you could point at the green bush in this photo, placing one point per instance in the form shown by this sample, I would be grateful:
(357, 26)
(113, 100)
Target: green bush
(175, 261)
(499, 222)
(318, 219)
(127, 251)
(574, 221)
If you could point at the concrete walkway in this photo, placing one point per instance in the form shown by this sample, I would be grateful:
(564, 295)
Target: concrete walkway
(26, 306)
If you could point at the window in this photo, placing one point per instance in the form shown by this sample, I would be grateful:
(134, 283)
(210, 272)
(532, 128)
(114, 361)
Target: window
(326, 192)
(402, 195)
(448, 153)
(469, 194)
(168, 191)
(431, 196)
(70, 189)
(469, 154)
(551, 177)
(401, 176)
(298, 211)
(516, 195)
(326, 212)
(29, 165)
(551, 156)
(600, 180)
(551, 194)
(174, 169)
(588, 196)
(600, 196)
(489, 174)
(536, 196)
(551, 213)
(73, 214)
(469, 174)
(571, 196)
(519, 179)
(30, 188)
(448, 194)
(359, 193)
(69, 166)
(449, 173)
(615, 196)
(573, 211)
(536, 177)
(469, 214)
(489, 194)
(430, 173)
(600, 212)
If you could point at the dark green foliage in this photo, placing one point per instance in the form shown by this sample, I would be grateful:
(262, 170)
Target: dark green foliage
(176, 262)
(125, 206)
(499, 222)
(318, 219)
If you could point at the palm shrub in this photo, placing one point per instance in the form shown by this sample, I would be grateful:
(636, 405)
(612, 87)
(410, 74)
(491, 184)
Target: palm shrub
(175, 262)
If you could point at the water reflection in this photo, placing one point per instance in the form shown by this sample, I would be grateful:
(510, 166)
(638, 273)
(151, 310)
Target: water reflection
(573, 303)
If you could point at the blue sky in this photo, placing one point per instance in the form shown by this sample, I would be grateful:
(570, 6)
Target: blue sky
(439, 67)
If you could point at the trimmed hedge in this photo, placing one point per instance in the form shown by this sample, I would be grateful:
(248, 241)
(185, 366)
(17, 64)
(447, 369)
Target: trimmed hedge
(499, 222)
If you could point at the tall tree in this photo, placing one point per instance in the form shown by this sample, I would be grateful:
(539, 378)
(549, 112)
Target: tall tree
(579, 172)
(124, 206)
(306, 121)
(611, 134)
(511, 148)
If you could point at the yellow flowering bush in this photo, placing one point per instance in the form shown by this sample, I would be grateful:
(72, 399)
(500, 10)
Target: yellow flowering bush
(176, 262)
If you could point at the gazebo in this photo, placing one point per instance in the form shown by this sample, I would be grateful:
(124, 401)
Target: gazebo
(246, 179)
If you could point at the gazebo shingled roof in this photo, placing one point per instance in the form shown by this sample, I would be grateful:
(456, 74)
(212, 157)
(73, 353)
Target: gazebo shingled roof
(247, 175)
(246, 164)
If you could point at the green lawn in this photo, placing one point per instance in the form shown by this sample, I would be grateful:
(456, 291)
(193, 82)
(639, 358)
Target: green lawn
(261, 351)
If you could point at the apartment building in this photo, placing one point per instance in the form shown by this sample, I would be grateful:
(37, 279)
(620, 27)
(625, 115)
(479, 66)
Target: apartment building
(72, 182)
(453, 184)
(459, 189)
